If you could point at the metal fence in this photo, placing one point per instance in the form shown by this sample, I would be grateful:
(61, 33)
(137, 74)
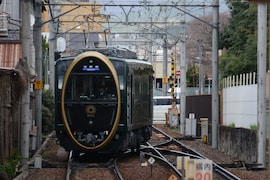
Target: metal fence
(240, 80)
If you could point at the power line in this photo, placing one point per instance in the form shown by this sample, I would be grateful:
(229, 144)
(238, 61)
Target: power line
(128, 5)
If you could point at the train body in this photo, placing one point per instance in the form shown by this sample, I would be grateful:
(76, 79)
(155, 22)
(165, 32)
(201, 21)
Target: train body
(103, 102)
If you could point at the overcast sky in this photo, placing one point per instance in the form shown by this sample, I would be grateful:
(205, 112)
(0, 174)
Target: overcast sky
(116, 10)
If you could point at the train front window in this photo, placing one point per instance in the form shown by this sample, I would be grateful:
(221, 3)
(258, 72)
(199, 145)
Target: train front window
(85, 88)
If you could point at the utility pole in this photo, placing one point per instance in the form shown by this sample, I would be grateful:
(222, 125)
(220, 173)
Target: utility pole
(165, 60)
(25, 101)
(268, 75)
(150, 51)
(183, 75)
(38, 85)
(165, 66)
(261, 61)
(52, 48)
(201, 77)
(215, 80)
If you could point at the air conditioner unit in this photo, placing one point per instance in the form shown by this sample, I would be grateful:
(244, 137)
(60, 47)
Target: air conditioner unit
(3, 25)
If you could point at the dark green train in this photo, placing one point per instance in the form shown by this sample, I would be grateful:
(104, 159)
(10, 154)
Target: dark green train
(103, 101)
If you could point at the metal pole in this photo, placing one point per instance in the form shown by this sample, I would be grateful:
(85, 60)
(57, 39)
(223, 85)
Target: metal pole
(268, 88)
(261, 61)
(38, 55)
(25, 104)
(201, 78)
(215, 80)
(150, 53)
(183, 76)
(165, 67)
(51, 49)
(46, 59)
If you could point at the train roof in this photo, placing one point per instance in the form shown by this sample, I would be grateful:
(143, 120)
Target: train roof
(113, 52)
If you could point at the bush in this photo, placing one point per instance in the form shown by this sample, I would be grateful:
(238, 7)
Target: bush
(47, 111)
(253, 127)
(231, 125)
(9, 166)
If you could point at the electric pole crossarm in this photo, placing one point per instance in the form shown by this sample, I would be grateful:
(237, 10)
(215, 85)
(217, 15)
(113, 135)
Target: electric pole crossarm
(126, 14)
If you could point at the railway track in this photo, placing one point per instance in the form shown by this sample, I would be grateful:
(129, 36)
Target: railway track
(130, 166)
(159, 151)
(84, 167)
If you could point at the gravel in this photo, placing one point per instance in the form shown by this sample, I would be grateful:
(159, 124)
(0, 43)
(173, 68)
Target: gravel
(220, 158)
(131, 168)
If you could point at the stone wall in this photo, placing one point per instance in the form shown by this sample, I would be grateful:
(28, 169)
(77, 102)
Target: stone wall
(240, 143)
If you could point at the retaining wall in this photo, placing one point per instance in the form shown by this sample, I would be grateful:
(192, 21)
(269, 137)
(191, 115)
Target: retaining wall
(240, 143)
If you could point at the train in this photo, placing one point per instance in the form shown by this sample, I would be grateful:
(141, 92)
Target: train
(103, 101)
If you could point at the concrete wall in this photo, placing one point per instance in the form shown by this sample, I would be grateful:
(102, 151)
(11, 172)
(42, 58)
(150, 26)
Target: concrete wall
(240, 102)
(240, 143)
(240, 106)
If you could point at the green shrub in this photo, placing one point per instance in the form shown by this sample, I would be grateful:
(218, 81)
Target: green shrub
(9, 166)
(47, 111)
(253, 127)
(231, 125)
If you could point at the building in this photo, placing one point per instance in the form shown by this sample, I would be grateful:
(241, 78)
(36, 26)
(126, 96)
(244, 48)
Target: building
(80, 24)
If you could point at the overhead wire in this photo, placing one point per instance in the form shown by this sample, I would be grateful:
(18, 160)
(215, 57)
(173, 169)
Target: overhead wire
(165, 10)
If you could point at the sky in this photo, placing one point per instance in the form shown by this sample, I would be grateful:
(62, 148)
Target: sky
(139, 15)
(222, 3)
(158, 12)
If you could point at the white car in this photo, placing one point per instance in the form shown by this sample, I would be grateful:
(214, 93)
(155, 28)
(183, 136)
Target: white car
(161, 105)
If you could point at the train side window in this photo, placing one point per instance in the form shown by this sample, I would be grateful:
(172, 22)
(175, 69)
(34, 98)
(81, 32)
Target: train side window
(119, 67)
(61, 68)
(121, 82)
(60, 81)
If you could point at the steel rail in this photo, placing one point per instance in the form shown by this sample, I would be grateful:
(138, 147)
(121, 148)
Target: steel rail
(163, 158)
(164, 161)
(116, 170)
(111, 164)
(219, 169)
(69, 165)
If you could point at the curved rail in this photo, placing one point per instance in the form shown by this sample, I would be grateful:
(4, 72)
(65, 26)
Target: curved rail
(192, 153)
(116, 170)
(164, 159)
(69, 165)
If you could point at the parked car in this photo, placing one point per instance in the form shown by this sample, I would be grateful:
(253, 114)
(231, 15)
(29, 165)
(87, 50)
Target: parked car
(161, 105)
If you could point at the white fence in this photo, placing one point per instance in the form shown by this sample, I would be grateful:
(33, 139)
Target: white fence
(240, 100)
